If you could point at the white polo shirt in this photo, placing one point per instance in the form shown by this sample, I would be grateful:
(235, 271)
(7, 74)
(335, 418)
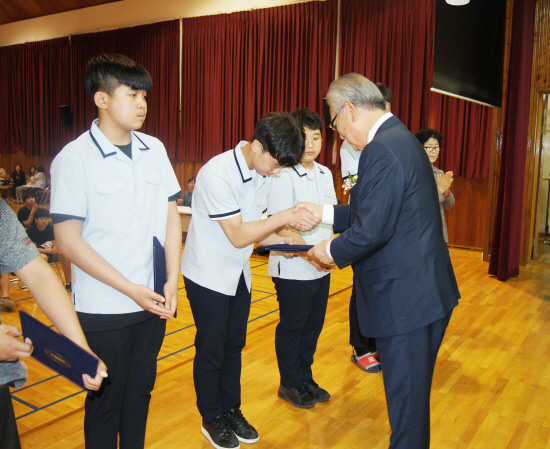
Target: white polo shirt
(225, 187)
(296, 185)
(123, 203)
(349, 159)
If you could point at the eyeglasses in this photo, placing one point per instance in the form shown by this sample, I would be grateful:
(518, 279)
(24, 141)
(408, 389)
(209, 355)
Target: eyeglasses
(271, 168)
(434, 149)
(315, 142)
(332, 125)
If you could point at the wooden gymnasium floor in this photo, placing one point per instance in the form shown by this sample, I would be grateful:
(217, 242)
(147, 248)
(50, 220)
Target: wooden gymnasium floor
(491, 387)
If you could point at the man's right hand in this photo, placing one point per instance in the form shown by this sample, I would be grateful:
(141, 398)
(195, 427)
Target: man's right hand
(11, 348)
(302, 219)
(314, 209)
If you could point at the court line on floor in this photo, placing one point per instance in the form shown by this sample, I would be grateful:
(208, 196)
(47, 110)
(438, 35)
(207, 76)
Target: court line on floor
(37, 409)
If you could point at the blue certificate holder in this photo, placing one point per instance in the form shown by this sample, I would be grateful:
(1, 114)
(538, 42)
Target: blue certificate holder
(285, 247)
(57, 351)
(159, 268)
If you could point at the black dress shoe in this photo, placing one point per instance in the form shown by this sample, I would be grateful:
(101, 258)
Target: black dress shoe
(241, 427)
(298, 397)
(220, 434)
(320, 394)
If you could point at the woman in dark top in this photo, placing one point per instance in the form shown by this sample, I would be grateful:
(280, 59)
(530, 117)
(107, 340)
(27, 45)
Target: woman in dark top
(18, 177)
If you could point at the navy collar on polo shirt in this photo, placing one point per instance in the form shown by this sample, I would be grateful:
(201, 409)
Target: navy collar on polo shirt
(302, 171)
(99, 139)
(241, 163)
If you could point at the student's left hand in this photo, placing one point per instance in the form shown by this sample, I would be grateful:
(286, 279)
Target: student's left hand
(145, 298)
(171, 297)
(94, 383)
(288, 241)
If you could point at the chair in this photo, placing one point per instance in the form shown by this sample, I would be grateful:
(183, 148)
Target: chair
(43, 195)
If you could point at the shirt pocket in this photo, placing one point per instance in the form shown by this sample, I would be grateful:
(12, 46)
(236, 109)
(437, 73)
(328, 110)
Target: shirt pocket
(110, 199)
(153, 175)
(330, 195)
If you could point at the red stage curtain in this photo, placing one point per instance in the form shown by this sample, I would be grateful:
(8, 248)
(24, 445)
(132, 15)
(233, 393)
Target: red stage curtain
(393, 44)
(506, 238)
(237, 67)
(153, 46)
(34, 85)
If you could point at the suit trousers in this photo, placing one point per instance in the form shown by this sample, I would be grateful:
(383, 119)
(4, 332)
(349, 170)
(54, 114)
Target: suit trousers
(121, 405)
(221, 322)
(360, 343)
(409, 362)
(302, 308)
(9, 438)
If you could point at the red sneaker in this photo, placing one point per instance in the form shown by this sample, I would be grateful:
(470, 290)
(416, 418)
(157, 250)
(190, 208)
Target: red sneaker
(367, 362)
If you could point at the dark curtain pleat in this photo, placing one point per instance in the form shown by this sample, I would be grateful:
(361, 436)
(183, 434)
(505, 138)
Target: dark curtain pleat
(507, 235)
(238, 67)
(394, 45)
(34, 85)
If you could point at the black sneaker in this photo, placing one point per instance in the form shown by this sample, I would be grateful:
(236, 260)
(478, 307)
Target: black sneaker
(320, 394)
(298, 397)
(241, 427)
(219, 433)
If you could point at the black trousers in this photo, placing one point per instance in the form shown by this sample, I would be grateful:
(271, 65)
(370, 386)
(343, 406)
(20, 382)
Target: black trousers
(121, 405)
(302, 308)
(409, 361)
(361, 343)
(221, 322)
(9, 438)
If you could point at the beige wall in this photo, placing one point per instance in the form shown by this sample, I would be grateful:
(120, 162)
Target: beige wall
(122, 14)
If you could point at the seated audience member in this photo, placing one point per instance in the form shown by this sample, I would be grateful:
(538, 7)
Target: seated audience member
(26, 213)
(38, 181)
(19, 256)
(41, 234)
(431, 140)
(5, 300)
(302, 290)
(188, 196)
(19, 179)
(3, 176)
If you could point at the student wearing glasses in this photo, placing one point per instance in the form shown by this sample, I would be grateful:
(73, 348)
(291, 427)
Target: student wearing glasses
(302, 291)
(431, 140)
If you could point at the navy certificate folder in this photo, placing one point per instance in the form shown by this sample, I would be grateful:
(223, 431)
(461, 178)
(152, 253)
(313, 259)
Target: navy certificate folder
(57, 351)
(159, 266)
(285, 247)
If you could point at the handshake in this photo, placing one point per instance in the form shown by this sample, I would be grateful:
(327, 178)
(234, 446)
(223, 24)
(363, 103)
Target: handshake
(305, 217)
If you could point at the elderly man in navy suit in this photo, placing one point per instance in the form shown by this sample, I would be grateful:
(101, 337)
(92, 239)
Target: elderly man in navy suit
(391, 234)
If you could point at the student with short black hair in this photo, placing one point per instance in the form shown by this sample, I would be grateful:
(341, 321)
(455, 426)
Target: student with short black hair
(229, 199)
(26, 213)
(113, 190)
(42, 235)
(302, 290)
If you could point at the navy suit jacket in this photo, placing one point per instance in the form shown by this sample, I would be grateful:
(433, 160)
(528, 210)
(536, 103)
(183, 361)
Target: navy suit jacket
(187, 196)
(392, 235)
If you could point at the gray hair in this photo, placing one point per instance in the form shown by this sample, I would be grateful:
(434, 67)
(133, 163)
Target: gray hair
(356, 89)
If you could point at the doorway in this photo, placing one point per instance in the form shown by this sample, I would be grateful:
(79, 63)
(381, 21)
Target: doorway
(540, 249)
